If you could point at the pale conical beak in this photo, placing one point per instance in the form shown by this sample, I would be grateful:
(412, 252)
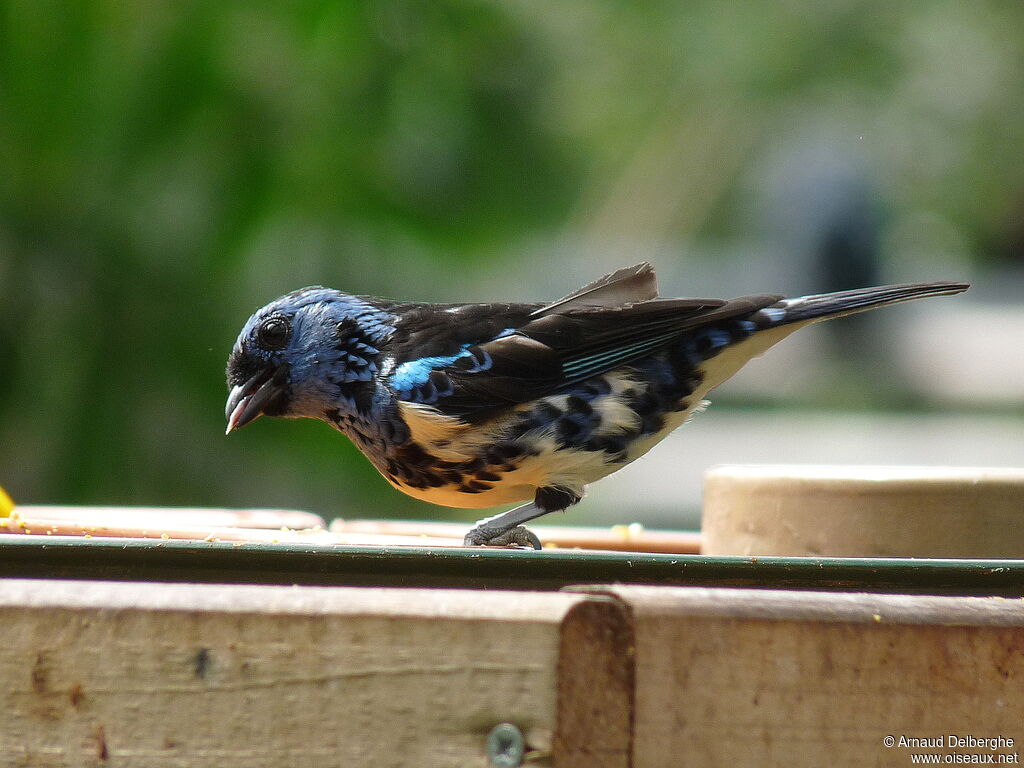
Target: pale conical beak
(248, 401)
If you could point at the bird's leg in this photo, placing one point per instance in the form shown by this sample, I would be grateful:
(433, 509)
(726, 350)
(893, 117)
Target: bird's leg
(506, 528)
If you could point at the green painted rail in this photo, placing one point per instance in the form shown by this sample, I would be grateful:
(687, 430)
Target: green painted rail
(221, 562)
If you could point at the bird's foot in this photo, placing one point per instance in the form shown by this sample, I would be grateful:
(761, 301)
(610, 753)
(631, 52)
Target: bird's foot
(486, 536)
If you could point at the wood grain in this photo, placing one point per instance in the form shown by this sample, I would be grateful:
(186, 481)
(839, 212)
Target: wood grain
(101, 674)
(174, 517)
(121, 674)
(287, 526)
(864, 511)
(617, 538)
(744, 677)
(595, 687)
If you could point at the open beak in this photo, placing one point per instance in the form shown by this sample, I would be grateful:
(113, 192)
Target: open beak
(250, 400)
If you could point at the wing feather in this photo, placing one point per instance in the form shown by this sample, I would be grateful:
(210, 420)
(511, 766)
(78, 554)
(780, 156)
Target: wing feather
(624, 286)
(471, 361)
(557, 350)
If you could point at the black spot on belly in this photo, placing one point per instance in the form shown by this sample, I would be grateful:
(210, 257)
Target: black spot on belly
(580, 421)
(568, 431)
(474, 487)
(547, 411)
(652, 423)
(650, 408)
(412, 465)
(413, 456)
(473, 466)
(433, 479)
(488, 476)
(541, 416)
(612, 445)
(500, 453)
(670, 378)
(688, 384)
(576, 404)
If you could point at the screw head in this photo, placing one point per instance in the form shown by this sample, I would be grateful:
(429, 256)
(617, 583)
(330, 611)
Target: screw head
(506, 746)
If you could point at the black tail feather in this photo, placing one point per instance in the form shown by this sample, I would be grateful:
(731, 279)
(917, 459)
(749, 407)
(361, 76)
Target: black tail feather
(828, 305)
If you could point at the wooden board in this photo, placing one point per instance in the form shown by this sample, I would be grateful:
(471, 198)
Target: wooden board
(120, 674)
(738, 677)
(863, 511)
(596, 687)
(100, 674)
(270, 526)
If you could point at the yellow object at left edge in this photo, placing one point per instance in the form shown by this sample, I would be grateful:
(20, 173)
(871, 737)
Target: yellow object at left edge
(6, 504)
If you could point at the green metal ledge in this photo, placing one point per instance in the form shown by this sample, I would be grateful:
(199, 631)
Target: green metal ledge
(220, 562)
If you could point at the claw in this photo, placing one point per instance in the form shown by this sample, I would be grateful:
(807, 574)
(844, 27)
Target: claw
(520, 537)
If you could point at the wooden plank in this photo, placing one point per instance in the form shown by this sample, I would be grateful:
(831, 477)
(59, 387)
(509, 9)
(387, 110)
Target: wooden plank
(863, 511)
(117, 674)
(616, 538)
(287, 526)
(742, 677)
(124, 674)
(164, 528)
(595, 687)
(173, 517)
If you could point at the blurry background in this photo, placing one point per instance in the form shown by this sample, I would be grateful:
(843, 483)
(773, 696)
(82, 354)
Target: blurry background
(168, 167)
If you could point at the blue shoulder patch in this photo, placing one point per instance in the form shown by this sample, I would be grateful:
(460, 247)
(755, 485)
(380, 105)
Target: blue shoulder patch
(413, 373)
(416, 372)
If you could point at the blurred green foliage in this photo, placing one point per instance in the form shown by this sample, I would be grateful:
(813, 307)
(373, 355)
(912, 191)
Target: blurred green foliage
(167, 167)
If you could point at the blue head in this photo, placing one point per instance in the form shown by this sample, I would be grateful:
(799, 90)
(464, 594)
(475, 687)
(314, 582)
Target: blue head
(309, 353)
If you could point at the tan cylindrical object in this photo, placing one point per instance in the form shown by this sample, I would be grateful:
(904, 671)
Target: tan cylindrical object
(852, 511)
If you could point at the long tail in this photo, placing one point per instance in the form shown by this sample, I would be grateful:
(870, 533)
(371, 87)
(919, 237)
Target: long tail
(824, 306)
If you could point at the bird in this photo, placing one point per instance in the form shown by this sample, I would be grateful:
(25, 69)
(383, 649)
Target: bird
(484, 404)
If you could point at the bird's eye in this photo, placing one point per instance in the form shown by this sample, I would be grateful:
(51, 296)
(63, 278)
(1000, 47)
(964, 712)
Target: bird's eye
(273, 333)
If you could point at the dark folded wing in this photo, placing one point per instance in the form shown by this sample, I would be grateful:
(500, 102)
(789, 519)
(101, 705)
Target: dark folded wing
(630, 285)
(553, 348)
